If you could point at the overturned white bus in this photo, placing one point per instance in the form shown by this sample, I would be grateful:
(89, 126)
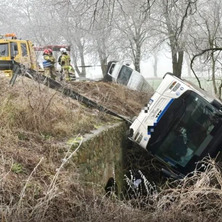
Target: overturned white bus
(121, 73)
(180, 125)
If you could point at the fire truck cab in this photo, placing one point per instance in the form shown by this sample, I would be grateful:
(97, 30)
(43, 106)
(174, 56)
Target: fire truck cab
(20, 51)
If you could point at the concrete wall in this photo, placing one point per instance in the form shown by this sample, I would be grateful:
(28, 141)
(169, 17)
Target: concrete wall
(101, 155)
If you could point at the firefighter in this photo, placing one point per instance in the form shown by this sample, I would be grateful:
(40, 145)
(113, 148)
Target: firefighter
(64, 61)
(49, 64)
(53, 61)
(72, 73)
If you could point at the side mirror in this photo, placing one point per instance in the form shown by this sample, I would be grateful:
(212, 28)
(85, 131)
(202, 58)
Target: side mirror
(171, 174)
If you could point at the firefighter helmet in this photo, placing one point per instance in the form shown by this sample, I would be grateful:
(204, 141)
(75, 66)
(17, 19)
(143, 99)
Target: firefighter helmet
(46, 51)
(62, 50)
(50, 50)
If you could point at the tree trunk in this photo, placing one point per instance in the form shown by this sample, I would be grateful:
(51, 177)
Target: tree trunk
(213, 73)
(176, 50)
(103, 63)
(80, 50)
(155, 64)
(83, 65)
(137, 58)
(101, 48)
(177, 60)
(219, 91)
(188, 64)
(75, 64)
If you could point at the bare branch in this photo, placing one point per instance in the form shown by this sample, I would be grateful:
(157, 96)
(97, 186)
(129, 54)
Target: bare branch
(200, 54)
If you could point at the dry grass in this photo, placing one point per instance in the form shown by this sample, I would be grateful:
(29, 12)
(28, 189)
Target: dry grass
(38, 109)
(114, 96)
(197, 197)
(36, 183)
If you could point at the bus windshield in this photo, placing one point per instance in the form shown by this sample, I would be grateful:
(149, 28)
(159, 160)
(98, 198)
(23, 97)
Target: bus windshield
(185, 130)
(124, 75)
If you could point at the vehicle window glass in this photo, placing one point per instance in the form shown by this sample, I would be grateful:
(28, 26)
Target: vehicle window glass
(188, 131)
(124, 75)
(111, 69)
(3, 49)
(24, 49)
(14, 49)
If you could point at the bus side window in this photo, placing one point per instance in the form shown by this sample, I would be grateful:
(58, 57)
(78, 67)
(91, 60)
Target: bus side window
(111, 69)
(24, 49)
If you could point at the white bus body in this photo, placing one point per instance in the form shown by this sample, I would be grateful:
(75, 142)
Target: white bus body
(121, 73)
(178, 110)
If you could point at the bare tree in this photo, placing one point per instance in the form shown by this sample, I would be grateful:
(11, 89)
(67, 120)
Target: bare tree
(171, 22)
(155, 63)
(207, 42)
(102, 34)
(74, 31)
(120, 29)
(131, 21)
(85, 23)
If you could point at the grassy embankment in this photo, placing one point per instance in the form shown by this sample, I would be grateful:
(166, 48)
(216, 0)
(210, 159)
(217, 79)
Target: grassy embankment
(40, 182)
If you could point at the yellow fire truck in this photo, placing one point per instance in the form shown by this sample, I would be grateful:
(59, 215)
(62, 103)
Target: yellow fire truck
(20, 51)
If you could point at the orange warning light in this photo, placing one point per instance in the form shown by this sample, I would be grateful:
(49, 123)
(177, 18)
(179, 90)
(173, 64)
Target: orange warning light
(10, 35)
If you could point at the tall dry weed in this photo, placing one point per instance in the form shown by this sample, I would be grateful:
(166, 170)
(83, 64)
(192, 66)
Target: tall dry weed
(63, 198)
(39, 109)
(197, 197)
